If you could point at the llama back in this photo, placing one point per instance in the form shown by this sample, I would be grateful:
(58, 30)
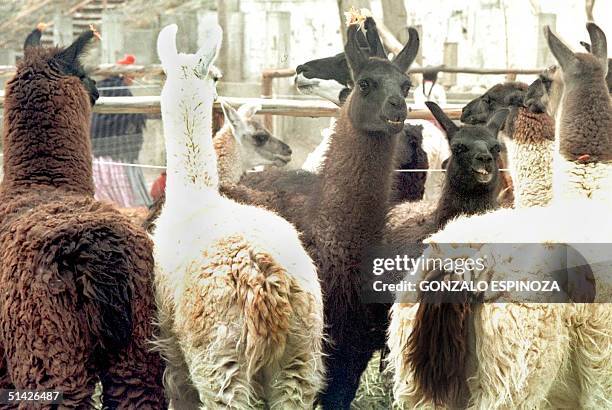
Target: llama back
(79, 250)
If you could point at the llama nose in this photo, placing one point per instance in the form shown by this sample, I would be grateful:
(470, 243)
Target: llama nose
(395, 101)
(484, 157)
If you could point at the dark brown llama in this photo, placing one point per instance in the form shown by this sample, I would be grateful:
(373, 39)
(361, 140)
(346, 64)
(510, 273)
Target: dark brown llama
(77, 302)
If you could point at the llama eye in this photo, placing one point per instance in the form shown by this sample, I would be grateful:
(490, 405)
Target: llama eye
(459, 149)
(364, 85)
(406, 88)
(260, 139)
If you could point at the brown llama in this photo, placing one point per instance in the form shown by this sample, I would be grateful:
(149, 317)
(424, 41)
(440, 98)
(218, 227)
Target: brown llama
(77, 302)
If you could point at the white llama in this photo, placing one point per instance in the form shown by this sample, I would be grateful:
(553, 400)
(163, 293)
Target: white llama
(239, 300)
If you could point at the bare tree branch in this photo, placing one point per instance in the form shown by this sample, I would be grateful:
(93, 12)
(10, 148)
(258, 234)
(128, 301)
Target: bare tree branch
(589, 5)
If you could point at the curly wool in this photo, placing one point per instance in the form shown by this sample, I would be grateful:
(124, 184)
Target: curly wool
(78, 302)
(531, 153)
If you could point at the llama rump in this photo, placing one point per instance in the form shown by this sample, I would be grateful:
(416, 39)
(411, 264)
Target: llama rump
(77, 304)
(240, 305)
(526, 355)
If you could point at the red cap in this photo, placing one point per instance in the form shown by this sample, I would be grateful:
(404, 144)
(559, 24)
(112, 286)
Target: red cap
(159, 186)
(127, 59)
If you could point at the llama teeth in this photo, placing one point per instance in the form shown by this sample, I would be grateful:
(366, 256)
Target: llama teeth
(481, 171)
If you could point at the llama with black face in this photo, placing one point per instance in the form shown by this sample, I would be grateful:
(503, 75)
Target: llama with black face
(470, 186)
(77, 305)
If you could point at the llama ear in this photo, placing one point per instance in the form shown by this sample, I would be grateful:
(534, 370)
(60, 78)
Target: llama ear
(497, 120)
(166, 45)
(447, 124)
(586, 46)
(406, 57)
(74, 51)
(563, 54)
(374, 43)
(33, 39)
(354, 55)
(515, 98)
(599, 45)
(248, 110)
(213, 35)
(235, 122)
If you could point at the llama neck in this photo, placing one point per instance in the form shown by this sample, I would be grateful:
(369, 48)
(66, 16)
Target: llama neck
(352, 201)
(46, 137)
(531, 150)
(455, 201)
(229, 156)
(585, 123)
(186, 107)
(583, 152)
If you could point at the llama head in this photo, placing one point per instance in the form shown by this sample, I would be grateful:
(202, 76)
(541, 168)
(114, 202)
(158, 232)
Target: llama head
(330, 77)
(480, 109)
(542, 90)
(196, 68)
(376, 104)
(258, 145)
(410, 147)
(473, 164)
(578, 68)
(58, 62)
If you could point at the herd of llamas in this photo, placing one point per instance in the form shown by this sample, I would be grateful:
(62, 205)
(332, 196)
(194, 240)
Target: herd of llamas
(245, 290)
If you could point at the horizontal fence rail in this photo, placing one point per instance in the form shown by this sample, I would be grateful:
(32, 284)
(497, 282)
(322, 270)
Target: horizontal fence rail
(157, 70)
(103, 70)
(269, 106)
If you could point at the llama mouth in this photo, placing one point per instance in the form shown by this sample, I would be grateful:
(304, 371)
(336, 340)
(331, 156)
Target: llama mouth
(482, 175)
(281, 161)
(305, 85)
(395, 123)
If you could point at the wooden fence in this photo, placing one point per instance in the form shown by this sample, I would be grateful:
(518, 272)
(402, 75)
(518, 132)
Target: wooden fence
(269, 106)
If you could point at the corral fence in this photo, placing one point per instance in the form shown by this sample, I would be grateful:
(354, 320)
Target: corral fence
(148, 159)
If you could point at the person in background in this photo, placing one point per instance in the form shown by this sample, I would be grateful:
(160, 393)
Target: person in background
(429, 90)
(116, 141)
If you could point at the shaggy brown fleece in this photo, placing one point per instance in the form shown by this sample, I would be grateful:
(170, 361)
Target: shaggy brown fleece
(77, 302)
(440, 373)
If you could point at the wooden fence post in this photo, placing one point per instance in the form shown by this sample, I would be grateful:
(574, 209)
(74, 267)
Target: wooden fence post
(450, 60)
(544, 58)
(278, 27)
(112, 37)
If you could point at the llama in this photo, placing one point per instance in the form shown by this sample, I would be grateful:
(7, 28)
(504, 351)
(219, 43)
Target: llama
(329, 78)
(77, 304)
(587, 46)
(479, 110)
(410, 186)
(531, 136)
(243, 143)
(525, 355)
(240, 305)
(470, 186)
(357, 173)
